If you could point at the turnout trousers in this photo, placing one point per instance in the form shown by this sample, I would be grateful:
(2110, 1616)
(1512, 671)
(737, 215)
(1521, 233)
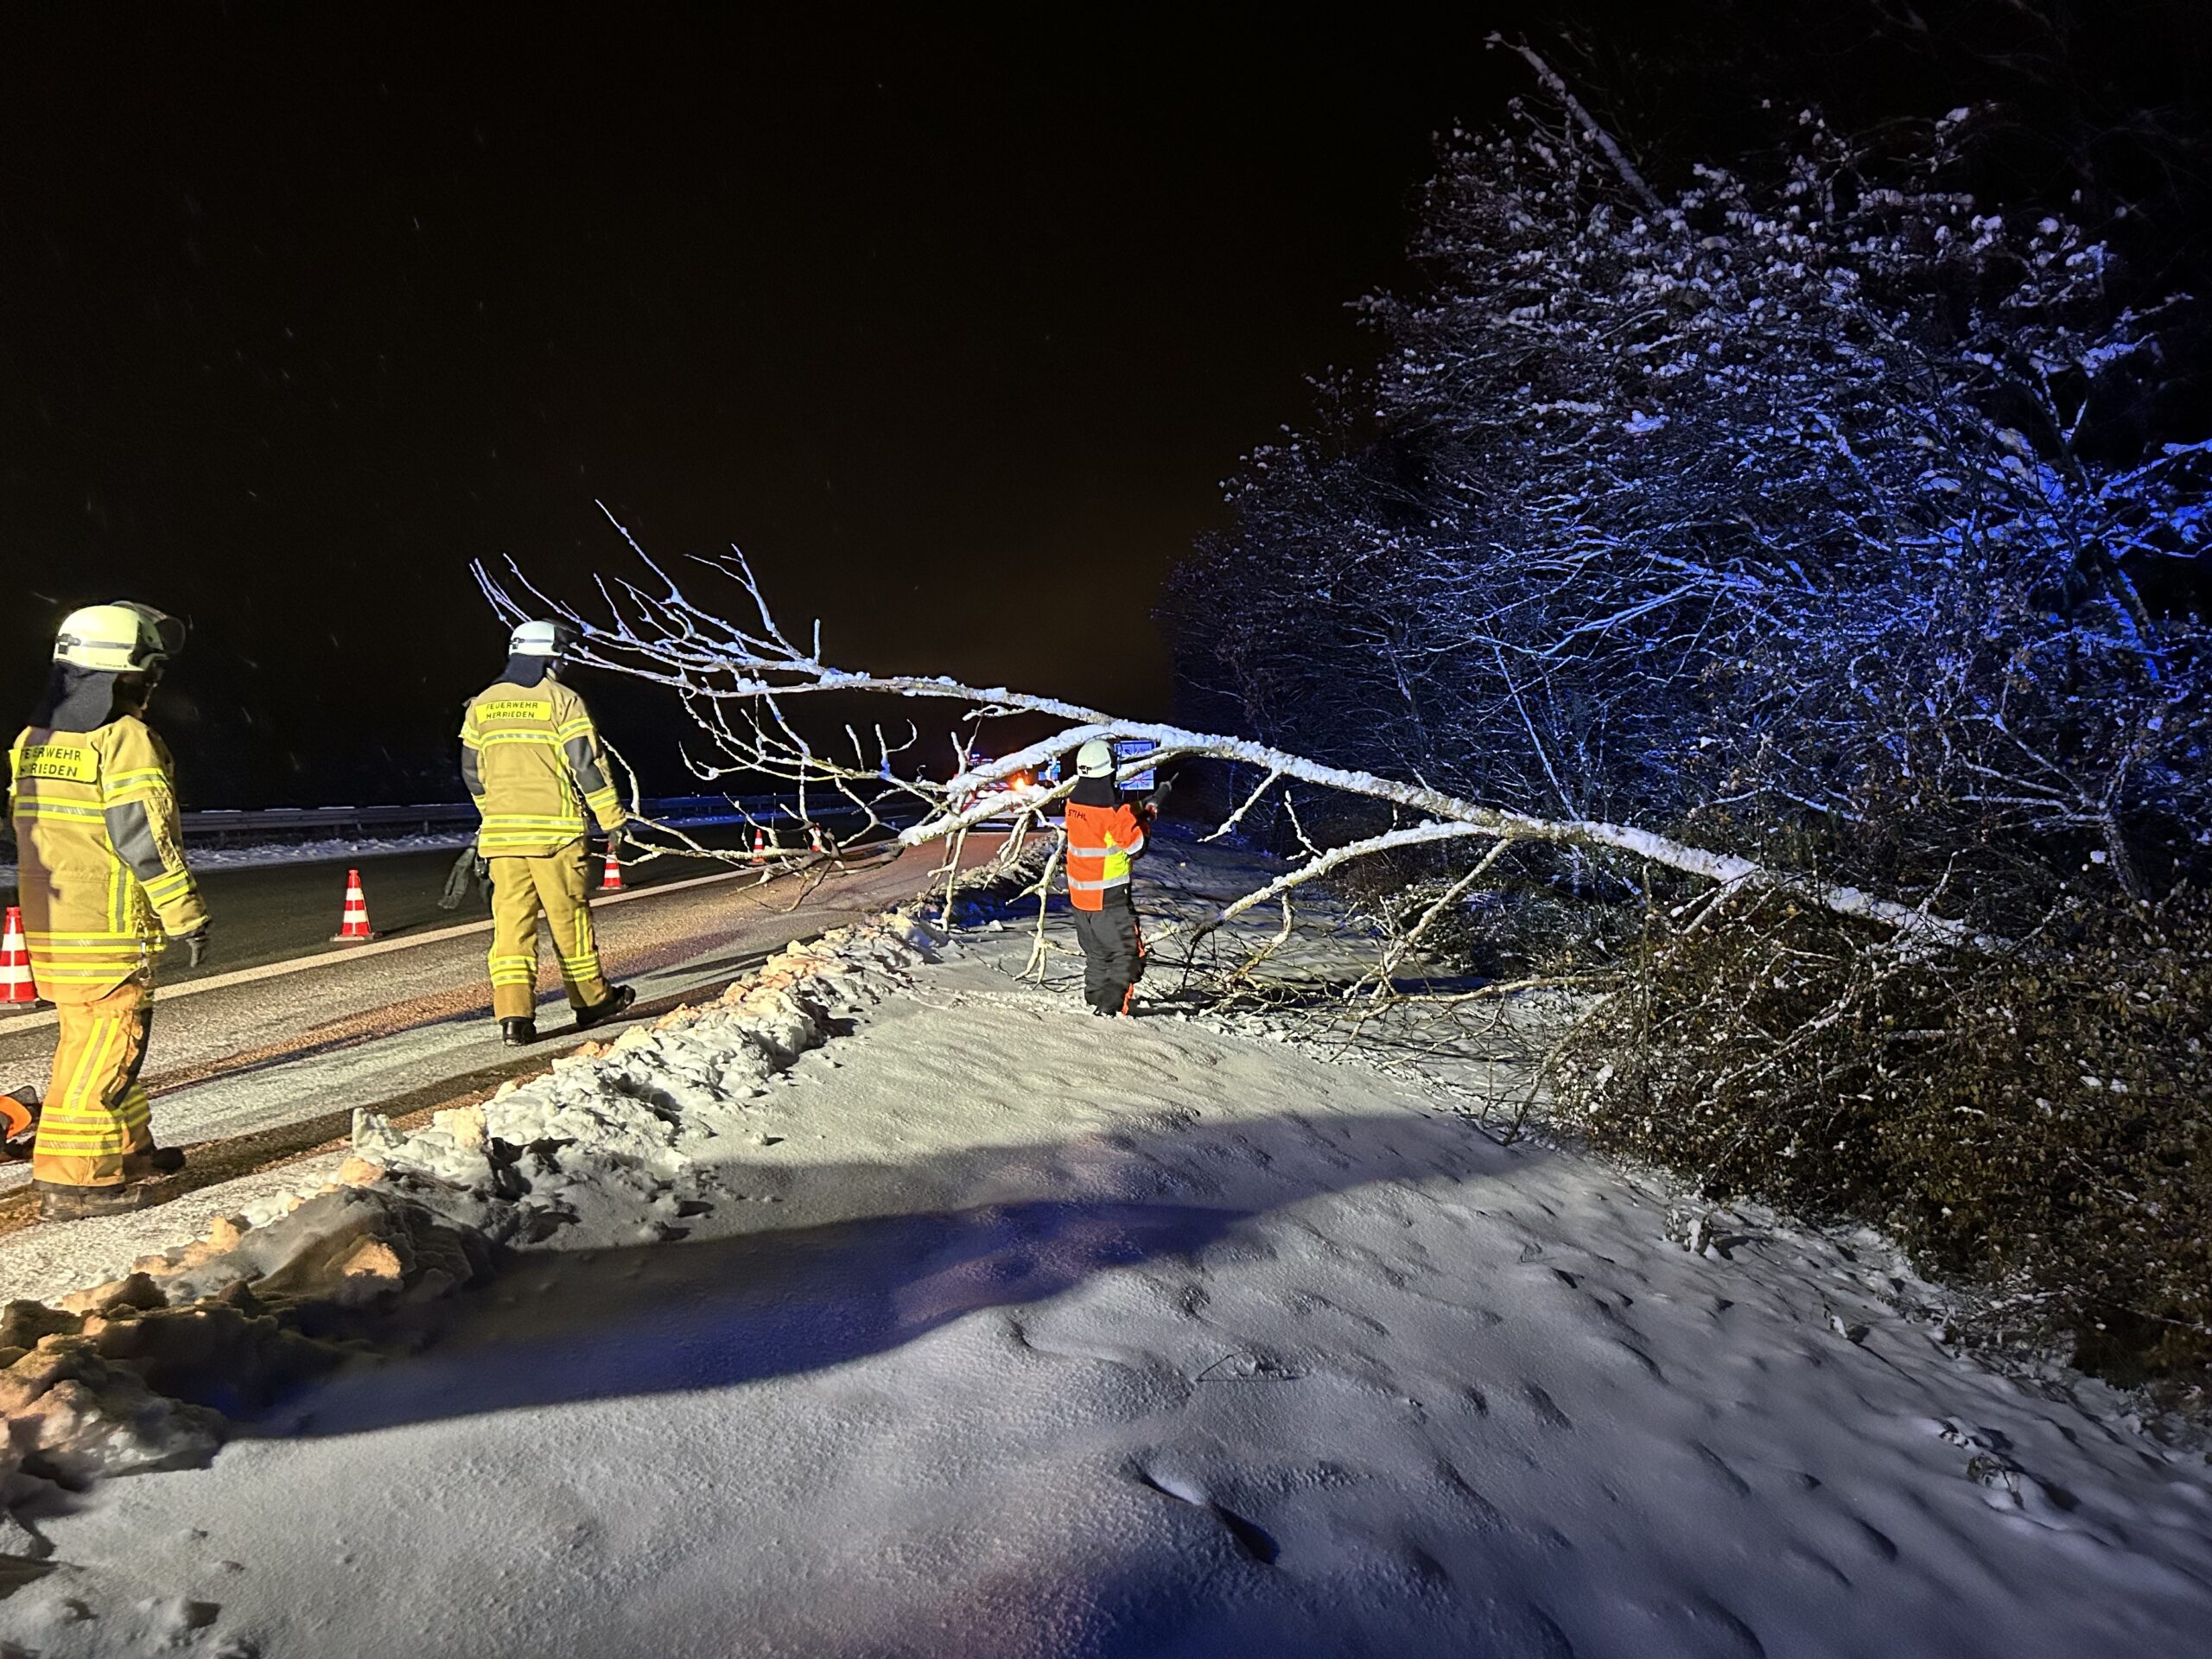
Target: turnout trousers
(1113, 953)
(96, 1108)
(554, 884)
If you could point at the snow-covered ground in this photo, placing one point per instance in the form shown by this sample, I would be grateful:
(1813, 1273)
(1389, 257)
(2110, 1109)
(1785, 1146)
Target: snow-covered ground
(989, 1328)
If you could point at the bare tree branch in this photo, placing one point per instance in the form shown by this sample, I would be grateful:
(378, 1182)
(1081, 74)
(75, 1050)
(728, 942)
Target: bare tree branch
(1556, 85)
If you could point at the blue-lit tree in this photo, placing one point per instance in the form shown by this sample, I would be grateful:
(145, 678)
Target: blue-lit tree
(1819, 496)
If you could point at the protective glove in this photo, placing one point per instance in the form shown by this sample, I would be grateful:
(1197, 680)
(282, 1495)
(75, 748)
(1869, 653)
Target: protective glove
(195, 945)
(457, 878)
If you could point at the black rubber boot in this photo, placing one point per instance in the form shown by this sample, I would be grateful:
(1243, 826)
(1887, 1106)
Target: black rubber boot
(517, 1033)
(59, 1202)
(154, 1162)
(617, 1004)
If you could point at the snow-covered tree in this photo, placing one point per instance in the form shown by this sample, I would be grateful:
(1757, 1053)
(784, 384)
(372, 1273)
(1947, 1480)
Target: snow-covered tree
(1814, 494)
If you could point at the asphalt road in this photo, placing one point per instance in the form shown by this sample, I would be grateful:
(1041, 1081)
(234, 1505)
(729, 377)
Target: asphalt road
(405, 1023)
(276, 912)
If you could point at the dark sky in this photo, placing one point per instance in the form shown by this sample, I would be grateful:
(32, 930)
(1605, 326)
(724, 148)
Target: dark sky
(955, 326)
(956, 329)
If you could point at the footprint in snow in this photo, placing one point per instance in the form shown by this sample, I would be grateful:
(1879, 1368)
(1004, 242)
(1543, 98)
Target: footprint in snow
(1735, 1484)
(1252, 1539)
(1547, 1412)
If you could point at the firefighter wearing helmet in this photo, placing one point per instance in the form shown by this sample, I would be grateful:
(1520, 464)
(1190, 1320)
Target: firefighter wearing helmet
(104, 888)
(1105, 830)
(533, 763)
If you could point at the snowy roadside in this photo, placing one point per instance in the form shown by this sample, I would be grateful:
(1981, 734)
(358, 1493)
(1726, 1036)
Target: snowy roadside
(893, 1306)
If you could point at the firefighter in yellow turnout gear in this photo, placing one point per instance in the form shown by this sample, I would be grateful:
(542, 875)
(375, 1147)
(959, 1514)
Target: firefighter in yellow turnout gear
(104, 888)
(532, 760)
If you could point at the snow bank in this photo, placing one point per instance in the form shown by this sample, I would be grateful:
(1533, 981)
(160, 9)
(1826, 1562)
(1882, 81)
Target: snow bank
(604, 1144)
(135, 1374)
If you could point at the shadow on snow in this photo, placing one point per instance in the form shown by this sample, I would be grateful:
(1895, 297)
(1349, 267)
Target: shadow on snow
(554, 1327)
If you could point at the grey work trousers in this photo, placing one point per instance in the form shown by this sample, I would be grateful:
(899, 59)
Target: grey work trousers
(1113, 953)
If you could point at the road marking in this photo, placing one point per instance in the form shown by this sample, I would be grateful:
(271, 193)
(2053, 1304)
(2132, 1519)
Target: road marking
(355, 953)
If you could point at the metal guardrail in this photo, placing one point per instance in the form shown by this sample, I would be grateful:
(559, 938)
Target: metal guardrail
(221, 826)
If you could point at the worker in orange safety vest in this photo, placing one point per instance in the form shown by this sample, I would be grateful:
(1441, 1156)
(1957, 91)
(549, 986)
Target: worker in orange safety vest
(1105, 831)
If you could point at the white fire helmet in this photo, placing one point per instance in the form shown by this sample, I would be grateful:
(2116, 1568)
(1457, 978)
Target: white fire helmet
(544, 639)
(124, 638)
(1095, 760)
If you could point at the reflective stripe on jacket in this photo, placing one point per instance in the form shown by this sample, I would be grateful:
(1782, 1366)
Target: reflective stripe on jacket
(1102, 840)
(103, 877)
(533, 763)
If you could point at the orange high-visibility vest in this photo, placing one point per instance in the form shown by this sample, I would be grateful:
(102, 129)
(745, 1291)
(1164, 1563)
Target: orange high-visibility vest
(1102, 840)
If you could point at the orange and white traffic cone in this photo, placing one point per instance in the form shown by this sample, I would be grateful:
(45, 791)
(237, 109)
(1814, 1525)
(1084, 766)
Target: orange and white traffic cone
(610, 878)
(759, 843)
(16, 984)
(353, 926)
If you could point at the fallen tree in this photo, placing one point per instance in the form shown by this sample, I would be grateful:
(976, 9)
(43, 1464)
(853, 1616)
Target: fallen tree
(735, 677)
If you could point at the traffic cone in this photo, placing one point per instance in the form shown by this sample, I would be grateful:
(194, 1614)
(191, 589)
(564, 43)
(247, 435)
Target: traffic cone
(354, 926)
(610, 878)
(759, 843)
(16, 984)
(814, 839)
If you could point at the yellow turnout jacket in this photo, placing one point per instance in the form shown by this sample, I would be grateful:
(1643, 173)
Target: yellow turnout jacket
(102, 876)
(532, 760)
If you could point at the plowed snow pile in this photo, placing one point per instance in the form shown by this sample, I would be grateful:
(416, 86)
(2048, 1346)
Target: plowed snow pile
(895, 1308)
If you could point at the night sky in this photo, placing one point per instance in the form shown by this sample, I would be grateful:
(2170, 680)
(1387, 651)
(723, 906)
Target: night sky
(955, 327)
